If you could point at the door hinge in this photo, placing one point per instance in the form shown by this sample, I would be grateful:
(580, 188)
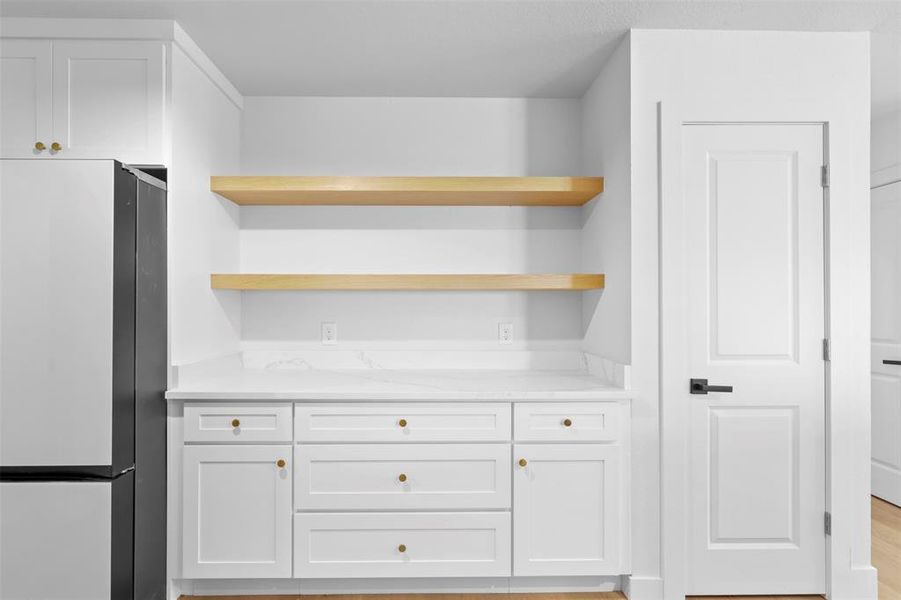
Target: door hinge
(827, 350)
(824, 176)
(827, 523)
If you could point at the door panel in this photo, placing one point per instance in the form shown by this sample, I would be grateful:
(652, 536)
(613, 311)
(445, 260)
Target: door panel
(756, 322)
(57, 540)
(237, 511)
(108, 100)
(752, 195)
(566, 510)
(56, 307)
(24, 97)
(886, 342)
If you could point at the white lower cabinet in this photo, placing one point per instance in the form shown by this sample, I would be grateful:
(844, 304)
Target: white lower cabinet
(344, 545)
(237, 511)
(566, 509)
(363, 493)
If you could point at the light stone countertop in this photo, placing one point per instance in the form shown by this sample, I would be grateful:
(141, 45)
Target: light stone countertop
(244, 378)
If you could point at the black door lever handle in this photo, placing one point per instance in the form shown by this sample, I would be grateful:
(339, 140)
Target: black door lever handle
(891, 362)
(700, 386)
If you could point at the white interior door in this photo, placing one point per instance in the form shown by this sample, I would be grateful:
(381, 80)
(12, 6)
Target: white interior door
(886, 342)
(754, 273)
(24, 97)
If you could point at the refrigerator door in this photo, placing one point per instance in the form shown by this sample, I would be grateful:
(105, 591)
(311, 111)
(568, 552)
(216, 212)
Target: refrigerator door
(67, 292)
(57, 265)
(66, 540)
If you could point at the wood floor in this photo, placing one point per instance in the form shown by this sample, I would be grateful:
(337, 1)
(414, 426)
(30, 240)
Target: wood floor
(887, 548)
(886, 526)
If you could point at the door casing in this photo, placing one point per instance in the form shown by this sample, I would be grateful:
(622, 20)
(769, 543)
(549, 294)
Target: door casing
(674, 423)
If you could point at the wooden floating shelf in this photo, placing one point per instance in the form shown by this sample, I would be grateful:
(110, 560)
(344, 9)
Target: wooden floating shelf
(408, 191)
(566, 282)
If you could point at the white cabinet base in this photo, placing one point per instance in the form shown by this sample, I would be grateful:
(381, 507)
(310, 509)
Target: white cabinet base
(391, 585)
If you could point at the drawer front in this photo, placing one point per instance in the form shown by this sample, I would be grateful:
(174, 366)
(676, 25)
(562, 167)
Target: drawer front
(402, 544)
(402, 476)
(397, 422)
(567, 422)
(256, 422)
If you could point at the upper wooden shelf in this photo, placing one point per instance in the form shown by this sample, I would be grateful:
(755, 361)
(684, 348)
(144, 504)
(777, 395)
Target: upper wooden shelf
(559, 282)
(408, 191)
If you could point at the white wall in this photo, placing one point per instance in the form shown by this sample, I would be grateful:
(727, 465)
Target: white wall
(735, 76)
(606, 236)
(203, 228)
(410, 136)
(607, 317)
(885, 148)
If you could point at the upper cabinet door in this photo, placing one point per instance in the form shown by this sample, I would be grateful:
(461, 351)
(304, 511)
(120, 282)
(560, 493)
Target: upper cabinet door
(24, 97)
(109, 100)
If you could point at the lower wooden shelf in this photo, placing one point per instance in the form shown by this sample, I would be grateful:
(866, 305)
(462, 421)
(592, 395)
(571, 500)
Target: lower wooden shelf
(538, 282)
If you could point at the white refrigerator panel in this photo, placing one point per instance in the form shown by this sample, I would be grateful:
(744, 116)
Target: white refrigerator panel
(56, 308)
(56, 540)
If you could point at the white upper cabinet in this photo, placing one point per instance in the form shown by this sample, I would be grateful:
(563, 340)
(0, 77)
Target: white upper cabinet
(24, 97)
(84, 99)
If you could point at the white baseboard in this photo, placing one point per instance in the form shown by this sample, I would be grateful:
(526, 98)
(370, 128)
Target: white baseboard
(643, 588)
(885, 483)
(476, 585)
(859, 583)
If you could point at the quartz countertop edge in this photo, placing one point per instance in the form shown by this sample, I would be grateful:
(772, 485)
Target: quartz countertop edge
(402, 385)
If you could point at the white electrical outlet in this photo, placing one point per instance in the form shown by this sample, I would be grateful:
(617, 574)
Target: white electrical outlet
(329, 334)
(505, 333)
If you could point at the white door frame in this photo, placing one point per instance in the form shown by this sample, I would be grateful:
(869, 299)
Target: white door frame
(847, 374)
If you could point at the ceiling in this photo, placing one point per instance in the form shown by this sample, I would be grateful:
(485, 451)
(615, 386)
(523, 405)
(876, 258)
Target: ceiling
(490, 48)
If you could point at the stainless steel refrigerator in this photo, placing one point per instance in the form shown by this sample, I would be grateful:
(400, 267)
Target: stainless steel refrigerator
(83, 363)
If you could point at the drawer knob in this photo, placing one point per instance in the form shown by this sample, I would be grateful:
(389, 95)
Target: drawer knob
(523, 462)
(280, 463)
(56, 147)
(236, 422)
(39, 146)
(402, 548)
(567, 422)
(402, 422)
(402, 477)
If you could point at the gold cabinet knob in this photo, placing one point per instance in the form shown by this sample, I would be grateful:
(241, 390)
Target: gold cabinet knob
(39, 146)
(523, 462)
(402, 477)
(402, 422)
(236, 422)
(56, 147)
(567, 422)
(402, 548)
(280, 463)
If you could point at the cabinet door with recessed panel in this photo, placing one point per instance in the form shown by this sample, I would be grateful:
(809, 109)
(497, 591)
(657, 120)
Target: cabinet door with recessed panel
(237, 511)
(566, 509)
(108, 100)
